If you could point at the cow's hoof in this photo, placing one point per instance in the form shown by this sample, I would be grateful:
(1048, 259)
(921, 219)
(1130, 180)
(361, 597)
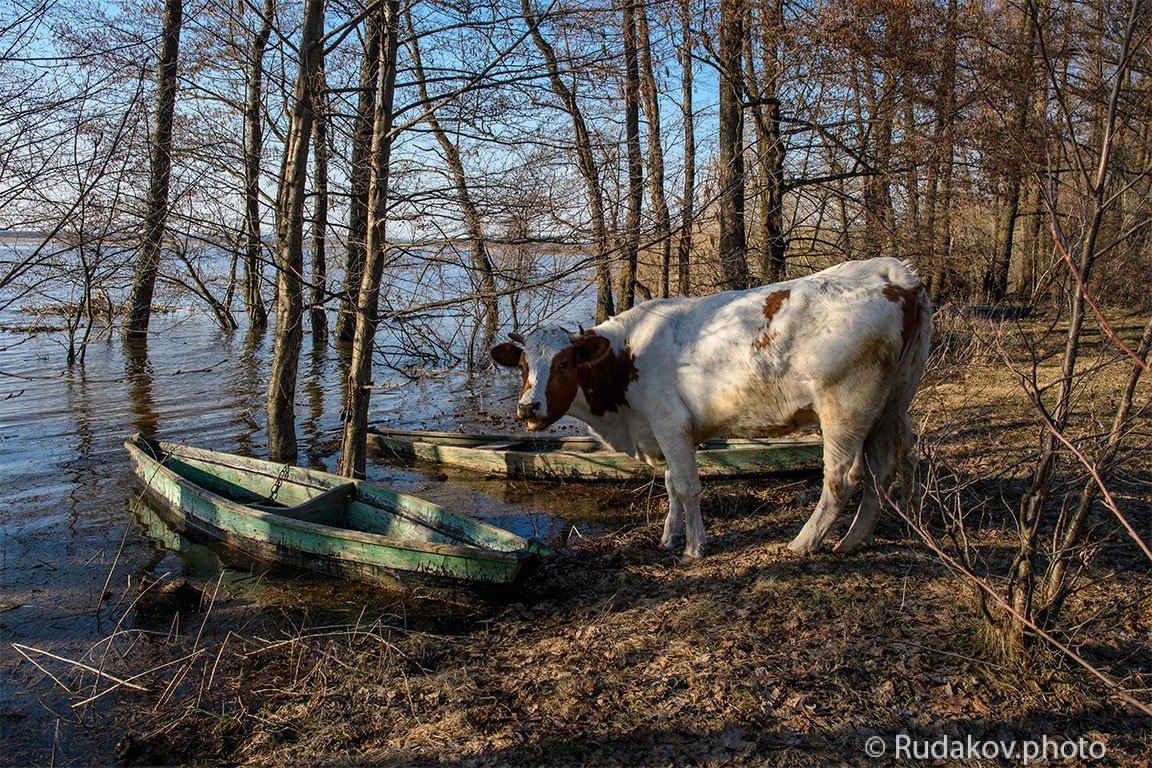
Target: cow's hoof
(803, 547)
(668, 542)
(846, 547)
(690, 557)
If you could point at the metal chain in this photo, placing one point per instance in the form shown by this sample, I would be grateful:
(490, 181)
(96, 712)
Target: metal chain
(279, 482)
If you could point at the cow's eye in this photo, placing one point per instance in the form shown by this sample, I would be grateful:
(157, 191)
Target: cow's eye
(562, 366)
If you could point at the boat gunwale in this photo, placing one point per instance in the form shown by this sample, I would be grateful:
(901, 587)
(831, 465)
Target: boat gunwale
(713, 445)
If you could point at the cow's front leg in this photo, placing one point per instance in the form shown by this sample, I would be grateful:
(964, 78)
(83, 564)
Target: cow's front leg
(674, 522)
(682, 478)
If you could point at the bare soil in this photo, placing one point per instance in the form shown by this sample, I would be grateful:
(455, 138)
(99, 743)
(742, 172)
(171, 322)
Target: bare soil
(619, 654)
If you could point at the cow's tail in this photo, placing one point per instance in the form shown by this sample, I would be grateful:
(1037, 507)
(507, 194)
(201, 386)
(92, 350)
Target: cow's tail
(906, 382)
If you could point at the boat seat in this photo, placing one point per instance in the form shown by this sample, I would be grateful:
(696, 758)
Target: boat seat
(325, 508)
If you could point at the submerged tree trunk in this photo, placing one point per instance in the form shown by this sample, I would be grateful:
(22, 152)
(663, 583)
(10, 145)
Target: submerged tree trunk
(586, 161)
(290, 245)
(156, 211)
(360, 178)
(484, 274)
(318, 318)
(253, 152)
(357, 393)
(733, 243)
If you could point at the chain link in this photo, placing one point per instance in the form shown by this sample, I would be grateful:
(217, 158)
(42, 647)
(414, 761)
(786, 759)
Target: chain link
(279, 482)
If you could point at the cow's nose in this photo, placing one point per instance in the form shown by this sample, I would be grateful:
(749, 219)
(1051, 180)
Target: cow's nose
(527, 410)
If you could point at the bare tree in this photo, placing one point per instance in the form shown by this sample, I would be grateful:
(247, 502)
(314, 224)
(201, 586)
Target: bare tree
(253, 153)
(1020, 78)
(650, 94)
(360, 175)
(1039, 578)
(156, 213)
(733, 241)
(482, 269)
(765, 86)
(357, 393)
(688, 117)
(318, 290)
(635, 162)
(281, 405)
(586, 162)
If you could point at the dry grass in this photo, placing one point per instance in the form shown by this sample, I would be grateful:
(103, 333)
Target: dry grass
(620, 655)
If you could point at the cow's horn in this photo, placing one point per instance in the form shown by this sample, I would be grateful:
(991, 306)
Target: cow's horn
(516, 338)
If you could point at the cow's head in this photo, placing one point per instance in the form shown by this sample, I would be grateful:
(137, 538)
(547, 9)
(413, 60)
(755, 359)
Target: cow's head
(550, 360)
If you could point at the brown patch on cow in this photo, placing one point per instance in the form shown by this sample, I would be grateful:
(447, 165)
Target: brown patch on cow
(772, 305)
(562, 381)
(605, 380)
(906, 297)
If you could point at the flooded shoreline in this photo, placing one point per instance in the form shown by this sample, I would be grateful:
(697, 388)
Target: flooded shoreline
(73, 556)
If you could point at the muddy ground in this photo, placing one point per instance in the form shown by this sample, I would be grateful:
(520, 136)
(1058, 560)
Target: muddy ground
(619, 654)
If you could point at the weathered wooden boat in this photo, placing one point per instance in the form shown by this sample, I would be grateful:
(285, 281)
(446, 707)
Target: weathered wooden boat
(553, 457)
(323, 522)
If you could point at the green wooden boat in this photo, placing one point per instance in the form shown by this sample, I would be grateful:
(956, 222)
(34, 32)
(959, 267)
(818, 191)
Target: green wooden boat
(544, 457)
(323, 522)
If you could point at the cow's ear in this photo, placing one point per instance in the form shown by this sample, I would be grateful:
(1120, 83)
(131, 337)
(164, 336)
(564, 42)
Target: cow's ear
(591, 349)
(507, 355)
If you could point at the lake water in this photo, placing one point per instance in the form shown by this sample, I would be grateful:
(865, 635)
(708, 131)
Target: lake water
(73, 544)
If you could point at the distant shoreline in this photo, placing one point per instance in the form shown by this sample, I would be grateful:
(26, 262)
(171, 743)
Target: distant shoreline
(22, 237)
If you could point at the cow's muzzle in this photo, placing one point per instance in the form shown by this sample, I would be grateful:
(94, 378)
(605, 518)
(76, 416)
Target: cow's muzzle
(528, 411)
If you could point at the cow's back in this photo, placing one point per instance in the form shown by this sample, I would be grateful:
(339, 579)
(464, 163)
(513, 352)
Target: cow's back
(757, 361)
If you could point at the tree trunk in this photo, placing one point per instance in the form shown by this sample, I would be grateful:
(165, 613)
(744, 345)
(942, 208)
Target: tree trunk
(635, 163)
(483, 273)
(769, 145)
(939, 193)
(290, 245)
(660, 215)
(1022, 591)
(156, 210)
(687, 209)
(878, 213)
(586, 161)
(318, 318)
(357, 393)
(253, 152)
(360, 177)
(996, 279)
(733, 244)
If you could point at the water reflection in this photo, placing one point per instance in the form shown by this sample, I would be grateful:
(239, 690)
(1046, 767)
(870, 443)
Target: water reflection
(139, 373)
(311, 427)
(245, 385)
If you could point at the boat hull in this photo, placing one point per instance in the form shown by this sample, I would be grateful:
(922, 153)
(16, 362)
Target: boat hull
(379, 547)
(582, 458)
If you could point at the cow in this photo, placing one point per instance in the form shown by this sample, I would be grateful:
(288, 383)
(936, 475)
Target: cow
(844, 349)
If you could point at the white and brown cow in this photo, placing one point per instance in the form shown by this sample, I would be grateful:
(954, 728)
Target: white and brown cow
(844, 348)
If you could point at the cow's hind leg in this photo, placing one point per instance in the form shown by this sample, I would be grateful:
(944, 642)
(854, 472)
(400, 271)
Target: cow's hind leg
(674, 522)
(843, 468)
(879, 457)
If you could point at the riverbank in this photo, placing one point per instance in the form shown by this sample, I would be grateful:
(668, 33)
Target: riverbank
(619, 654)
